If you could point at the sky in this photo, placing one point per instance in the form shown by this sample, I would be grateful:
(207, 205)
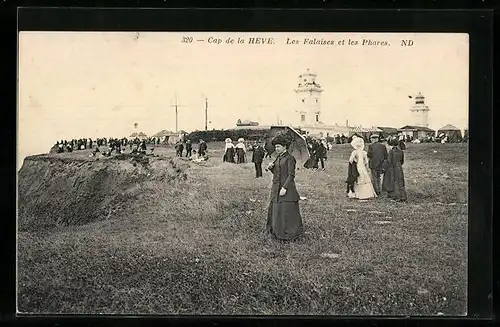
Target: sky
(98, 84)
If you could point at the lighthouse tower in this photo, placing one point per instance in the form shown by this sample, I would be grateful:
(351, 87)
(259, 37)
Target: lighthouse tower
(420, 111)
(308, 103)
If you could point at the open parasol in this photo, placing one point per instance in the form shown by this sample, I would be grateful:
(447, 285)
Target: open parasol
(298, 144)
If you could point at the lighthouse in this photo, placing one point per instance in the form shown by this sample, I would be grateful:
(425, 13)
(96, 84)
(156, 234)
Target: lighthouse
(308, 100)
(420, 111)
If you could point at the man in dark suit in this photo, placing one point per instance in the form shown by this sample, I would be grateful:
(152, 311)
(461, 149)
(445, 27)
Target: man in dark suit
(189, 149)
(321, 154)
(202, 148)
(257, 158)
(377, 154)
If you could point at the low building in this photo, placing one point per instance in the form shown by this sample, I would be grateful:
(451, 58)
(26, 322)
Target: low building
(453, 133)
(364, 132)
(169, 137)
(141, 136)
(246, 123)
(416, 132)
(322, 130)
(387, 131)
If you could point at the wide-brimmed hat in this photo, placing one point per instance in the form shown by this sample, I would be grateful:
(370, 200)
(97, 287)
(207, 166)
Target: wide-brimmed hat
(281, 139)
(228, 140)
(358, 143)
(393, 141)
(374, 136)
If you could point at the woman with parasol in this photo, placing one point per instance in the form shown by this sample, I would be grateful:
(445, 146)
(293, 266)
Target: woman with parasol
(283, 219)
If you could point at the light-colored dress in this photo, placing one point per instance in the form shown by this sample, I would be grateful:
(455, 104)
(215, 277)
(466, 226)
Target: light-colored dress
(363, 188)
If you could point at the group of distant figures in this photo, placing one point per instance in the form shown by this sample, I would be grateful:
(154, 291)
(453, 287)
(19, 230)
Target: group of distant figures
(440, 138)
(201, 155)
(366, 168)
(317, 154)
(237, 154)
(117, 145)
(232, 153)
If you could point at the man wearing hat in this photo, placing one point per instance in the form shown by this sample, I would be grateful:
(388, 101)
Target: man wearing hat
(377, 154)
(257, 157)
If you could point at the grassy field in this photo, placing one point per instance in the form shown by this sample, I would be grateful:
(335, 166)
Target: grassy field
(198, 246)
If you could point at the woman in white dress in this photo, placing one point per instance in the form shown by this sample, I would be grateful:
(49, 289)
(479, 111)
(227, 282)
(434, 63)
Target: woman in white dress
(363, 188)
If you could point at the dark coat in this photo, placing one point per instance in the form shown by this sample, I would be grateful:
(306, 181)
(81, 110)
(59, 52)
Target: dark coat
(284, 176)
(394, 181)
(321, 151)
(202, 147)
(352, 173)
(258, 154)
(377, 153)
(284, 220)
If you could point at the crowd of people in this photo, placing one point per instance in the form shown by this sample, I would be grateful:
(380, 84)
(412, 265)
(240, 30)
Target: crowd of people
(317, 153)
(342, 139)
(366, 168)
(116, 145)
(375, 172)
(201, 155)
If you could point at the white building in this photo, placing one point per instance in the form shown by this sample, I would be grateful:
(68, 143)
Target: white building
(307, 115)
(308, 100)
(420, 112)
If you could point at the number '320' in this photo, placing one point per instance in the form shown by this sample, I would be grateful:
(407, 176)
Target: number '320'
(186, 39)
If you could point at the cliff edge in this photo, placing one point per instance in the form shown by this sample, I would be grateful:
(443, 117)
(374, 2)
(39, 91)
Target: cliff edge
(54, 190)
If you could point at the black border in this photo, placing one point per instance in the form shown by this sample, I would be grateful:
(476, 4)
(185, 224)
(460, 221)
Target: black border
(478, 23)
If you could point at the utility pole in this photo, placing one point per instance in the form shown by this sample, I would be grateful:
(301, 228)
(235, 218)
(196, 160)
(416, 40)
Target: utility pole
(206, 114)
(176, 105)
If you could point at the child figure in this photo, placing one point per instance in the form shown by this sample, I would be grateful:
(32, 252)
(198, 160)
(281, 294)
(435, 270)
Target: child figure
(194, 156)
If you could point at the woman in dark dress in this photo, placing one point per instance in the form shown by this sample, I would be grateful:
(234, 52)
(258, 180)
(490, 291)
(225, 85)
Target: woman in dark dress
(229, 151)
(394, 181)
(240, 151)
(283, 219)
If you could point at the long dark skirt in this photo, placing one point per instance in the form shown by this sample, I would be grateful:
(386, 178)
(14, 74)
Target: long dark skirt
(284, 220)
(229, 155)
(309, 164)
(388, 180)
(394, 183)
(315, 163)
(240, 154)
